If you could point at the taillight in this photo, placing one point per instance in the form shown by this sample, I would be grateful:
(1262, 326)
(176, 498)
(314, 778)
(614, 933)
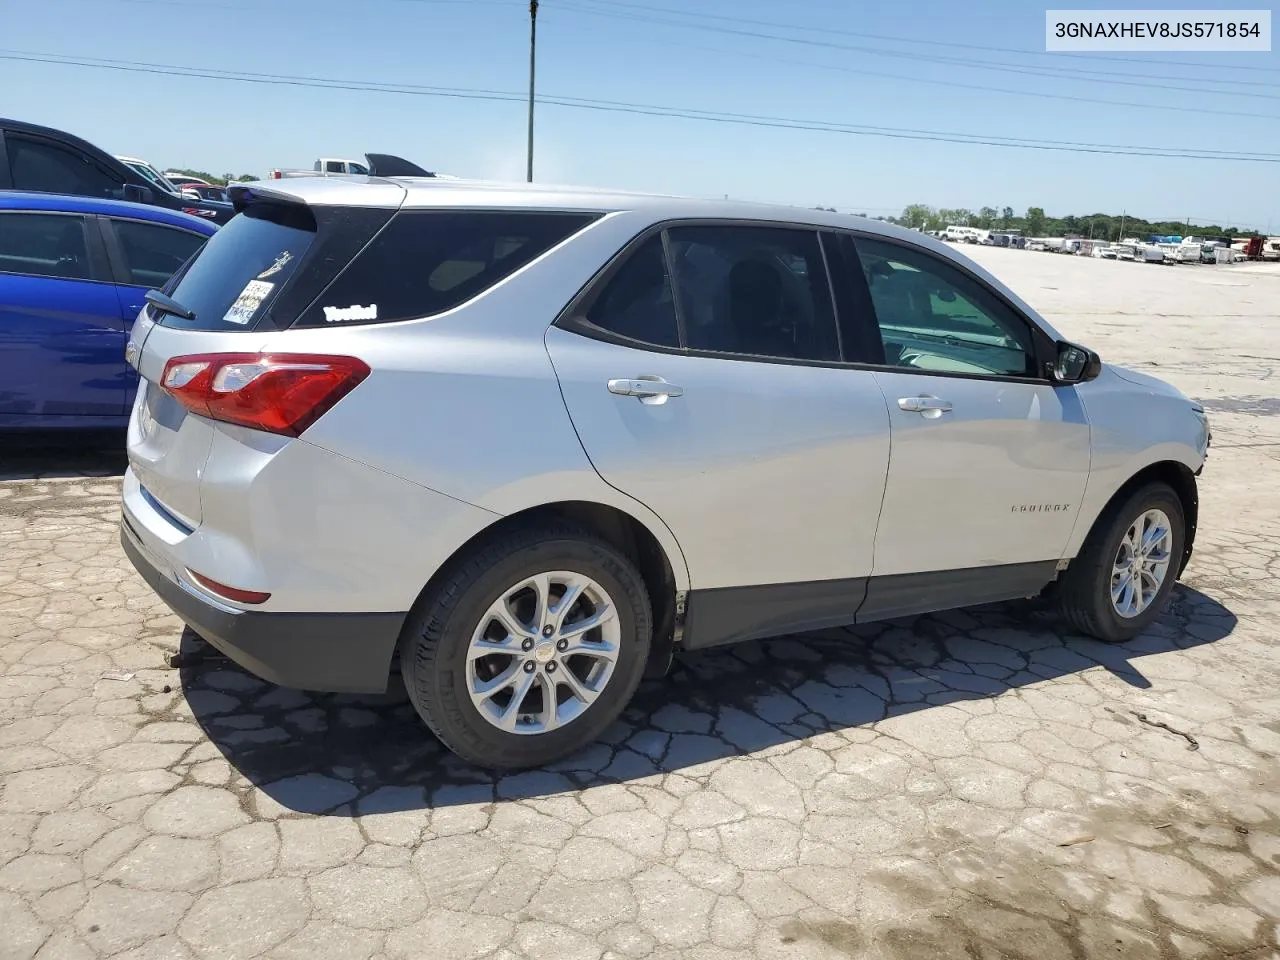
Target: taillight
(277, 392)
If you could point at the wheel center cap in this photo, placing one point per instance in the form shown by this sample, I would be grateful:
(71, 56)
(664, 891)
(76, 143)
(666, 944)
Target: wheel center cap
(543, 652)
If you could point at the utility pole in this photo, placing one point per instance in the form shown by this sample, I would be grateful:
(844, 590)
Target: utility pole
(1124, 216)
(533, 49)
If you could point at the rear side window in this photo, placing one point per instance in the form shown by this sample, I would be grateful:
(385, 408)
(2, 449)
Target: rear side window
(152, 253)
(43, 245)
(429, 261)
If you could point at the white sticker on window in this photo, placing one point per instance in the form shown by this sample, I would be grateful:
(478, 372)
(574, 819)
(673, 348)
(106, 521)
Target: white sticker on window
(353, 312)
(277, 265)
(247, 304)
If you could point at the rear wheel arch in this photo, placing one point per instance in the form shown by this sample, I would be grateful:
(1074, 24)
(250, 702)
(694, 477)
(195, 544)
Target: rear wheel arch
(614, 526)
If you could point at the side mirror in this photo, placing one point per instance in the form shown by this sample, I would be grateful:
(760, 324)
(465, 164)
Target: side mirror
(1075, 364)
(136, 194)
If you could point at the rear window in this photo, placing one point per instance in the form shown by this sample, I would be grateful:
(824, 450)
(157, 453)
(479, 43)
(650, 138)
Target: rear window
(428, 261)
(267, 264)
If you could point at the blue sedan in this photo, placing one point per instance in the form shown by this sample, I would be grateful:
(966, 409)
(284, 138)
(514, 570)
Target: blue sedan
(73, 274)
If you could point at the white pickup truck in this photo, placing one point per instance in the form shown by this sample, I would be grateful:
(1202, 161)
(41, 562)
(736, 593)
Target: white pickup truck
(375, 165)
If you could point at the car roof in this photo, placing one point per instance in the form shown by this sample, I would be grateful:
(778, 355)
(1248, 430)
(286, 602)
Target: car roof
(63, 203)
(418, 192)
(648, 209)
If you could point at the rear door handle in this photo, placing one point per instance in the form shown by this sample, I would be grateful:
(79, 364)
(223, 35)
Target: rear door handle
(650, 390)
(931, 407)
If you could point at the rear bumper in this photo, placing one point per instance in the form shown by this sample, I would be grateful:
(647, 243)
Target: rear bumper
(332, 652)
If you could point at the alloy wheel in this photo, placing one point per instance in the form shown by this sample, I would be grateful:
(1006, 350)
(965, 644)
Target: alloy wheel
(543, 652)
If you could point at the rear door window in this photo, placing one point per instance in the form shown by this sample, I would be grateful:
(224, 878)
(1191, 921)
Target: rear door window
(428, 261)
(152, 253)
(44, 245)
(759, 291)
(637, 303)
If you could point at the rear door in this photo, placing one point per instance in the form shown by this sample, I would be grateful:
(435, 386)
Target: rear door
(703, 373)
(989, 459)
(61, 334)
(143, 256)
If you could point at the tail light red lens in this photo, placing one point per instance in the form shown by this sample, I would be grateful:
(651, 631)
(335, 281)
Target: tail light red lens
(230, 593)
(278, 392)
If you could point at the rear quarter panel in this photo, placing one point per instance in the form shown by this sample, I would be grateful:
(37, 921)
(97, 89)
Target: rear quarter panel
(467, 403)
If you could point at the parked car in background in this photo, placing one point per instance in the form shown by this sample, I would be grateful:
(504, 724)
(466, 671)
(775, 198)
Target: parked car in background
(42, 159)
(375, 165)
(185, 179)
(704, 422)
(150, 172)
(73, 273)
(205, 191)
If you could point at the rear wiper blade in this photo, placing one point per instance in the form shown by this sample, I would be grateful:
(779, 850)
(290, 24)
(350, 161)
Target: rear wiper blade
(167, 304)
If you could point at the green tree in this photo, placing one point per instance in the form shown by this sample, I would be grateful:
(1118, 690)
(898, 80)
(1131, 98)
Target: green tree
(1035, 221)
(987, 217)
(916, 215)
(1006, 217)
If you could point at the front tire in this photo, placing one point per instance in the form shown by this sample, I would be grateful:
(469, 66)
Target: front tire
(1121, 581)
(528, 647)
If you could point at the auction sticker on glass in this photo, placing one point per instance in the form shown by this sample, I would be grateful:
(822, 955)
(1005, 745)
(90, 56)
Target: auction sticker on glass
(247, 304)
(1242, 31)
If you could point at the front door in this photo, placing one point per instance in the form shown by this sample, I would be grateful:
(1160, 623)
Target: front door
(61, 335)
(989, 460)
(734, 421)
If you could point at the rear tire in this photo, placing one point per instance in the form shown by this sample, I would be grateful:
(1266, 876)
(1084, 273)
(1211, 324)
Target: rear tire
(482, 638)
(1120, 583)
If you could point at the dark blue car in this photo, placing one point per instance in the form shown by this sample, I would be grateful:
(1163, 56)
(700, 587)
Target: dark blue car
(73, 274)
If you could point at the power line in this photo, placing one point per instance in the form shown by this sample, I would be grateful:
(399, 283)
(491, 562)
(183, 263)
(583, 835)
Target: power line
(611, 106)
(1020, 69)
(914, 40)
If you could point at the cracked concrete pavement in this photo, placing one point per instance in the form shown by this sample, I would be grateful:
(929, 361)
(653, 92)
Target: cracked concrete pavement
(970, 784)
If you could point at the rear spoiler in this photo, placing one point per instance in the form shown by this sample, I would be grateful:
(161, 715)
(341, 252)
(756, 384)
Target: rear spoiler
(389, 165)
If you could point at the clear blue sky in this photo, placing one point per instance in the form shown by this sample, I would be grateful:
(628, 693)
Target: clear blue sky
(632, 52)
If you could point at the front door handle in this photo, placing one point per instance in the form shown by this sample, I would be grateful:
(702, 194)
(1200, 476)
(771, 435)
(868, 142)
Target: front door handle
(650, 390)
(931, 407)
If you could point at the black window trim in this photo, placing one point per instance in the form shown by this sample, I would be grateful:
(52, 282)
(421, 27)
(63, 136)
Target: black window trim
(115, 249)
(99, 267)
(573, 318)
(1044, 346)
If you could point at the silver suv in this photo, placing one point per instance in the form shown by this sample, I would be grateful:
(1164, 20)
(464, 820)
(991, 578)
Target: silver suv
(533, 440)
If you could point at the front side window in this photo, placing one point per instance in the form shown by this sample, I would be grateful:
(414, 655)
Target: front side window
(760, 291)
(637, 302)
(933, 317)
(43, 245)
(46, 167)
(152, 253)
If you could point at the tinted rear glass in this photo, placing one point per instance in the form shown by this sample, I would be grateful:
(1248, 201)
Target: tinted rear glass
(268, 263)
(428, 261)
(242, 268)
